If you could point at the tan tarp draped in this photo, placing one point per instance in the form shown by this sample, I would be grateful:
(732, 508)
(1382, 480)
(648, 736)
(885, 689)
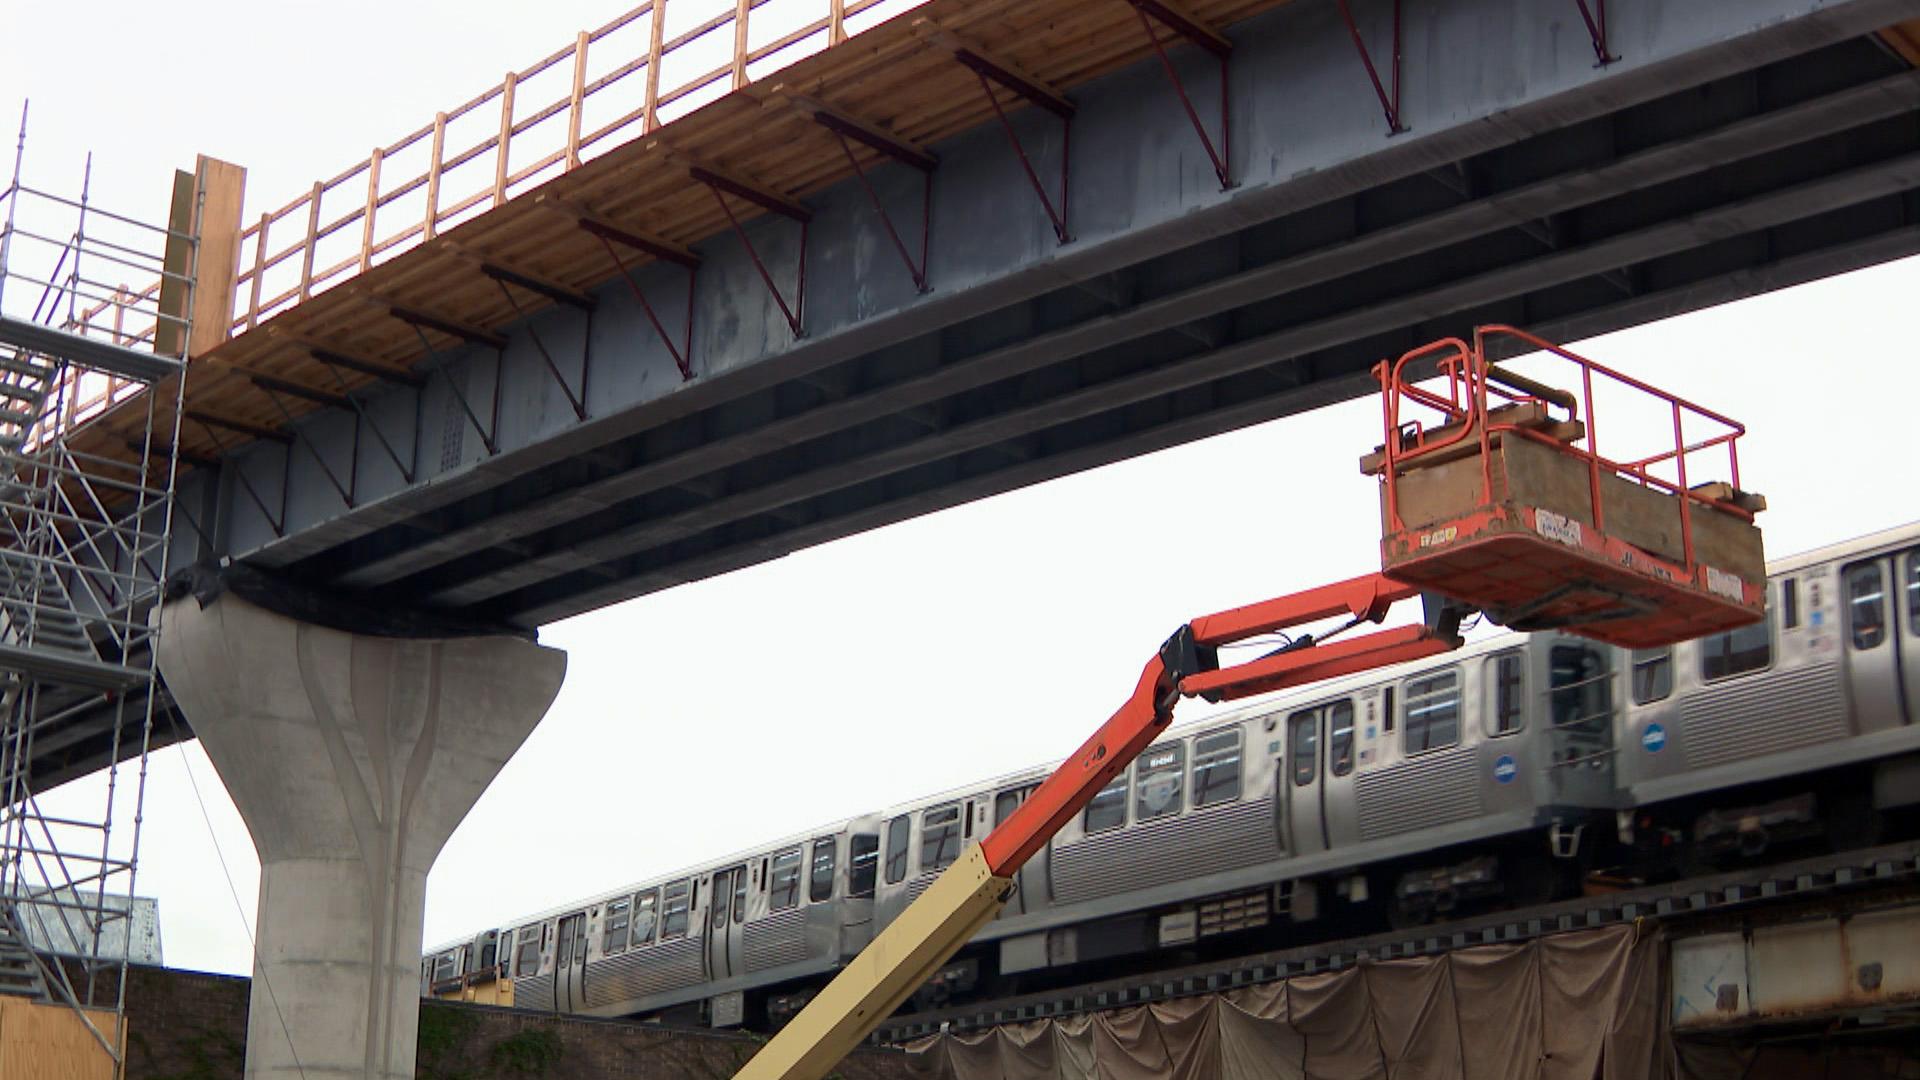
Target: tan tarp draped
(1568, 1007)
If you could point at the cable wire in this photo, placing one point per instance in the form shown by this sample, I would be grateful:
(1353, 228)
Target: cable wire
(260, 970)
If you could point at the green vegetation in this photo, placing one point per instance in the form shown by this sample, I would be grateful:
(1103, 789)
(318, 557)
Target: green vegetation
(450, 1048)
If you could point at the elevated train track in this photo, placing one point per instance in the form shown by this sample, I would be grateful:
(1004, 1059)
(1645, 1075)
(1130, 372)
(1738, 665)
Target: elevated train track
(1797, 889)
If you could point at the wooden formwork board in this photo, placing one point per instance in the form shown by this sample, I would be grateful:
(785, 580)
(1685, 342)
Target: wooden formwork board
(899, 77)
(51, 1042)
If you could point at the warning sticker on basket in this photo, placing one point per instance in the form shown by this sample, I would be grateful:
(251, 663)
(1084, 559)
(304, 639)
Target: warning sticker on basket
(1555, 527)
(1724, 584)
(1439, 536)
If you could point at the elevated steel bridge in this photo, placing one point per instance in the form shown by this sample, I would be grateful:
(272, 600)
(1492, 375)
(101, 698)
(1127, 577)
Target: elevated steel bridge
(560, 347)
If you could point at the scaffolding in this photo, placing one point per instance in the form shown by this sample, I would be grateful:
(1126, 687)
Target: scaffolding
(83, 555)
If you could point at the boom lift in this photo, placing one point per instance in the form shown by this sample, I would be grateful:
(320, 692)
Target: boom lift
(1503, 509)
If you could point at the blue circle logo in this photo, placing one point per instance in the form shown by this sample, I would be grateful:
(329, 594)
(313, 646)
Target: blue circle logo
(1654, 738)
(1505, 769)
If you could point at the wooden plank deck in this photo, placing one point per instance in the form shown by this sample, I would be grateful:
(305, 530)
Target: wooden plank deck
(899, 77)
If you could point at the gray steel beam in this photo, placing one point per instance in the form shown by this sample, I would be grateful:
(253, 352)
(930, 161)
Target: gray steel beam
(1271, 350)
(1889, 246)
(1744, 138)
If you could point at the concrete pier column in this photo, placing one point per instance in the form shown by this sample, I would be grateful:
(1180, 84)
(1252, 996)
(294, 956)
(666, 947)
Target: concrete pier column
(351, 757)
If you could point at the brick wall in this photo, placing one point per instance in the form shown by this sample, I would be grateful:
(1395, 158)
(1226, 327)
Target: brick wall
(184, 1025)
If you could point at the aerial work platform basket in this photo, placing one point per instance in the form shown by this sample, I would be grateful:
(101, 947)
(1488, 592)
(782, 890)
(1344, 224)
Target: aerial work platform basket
(1494, 492)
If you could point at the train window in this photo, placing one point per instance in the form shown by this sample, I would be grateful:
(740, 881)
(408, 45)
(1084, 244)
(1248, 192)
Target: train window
(613, 934)
(739, 894)
(939, 838)
(1789, 603)
(783, 881)
(1005, 803)
(1303, 730)
(1866, 605)
(820, 881)
(674, 905)
(1652, 675)
(1159, 774)
(718, 903)
(1506, 676)
(1216, 767)
(863, 859)
(1581, 689)
(1913, 591)
(1386, 709)
(526, 953)
(1108, 810)
(646, 912)
(1340, 738)
(1736, 652)
(897, 841)
(1433, 711)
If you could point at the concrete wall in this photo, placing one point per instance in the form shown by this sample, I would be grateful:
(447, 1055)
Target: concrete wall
(187, 1025)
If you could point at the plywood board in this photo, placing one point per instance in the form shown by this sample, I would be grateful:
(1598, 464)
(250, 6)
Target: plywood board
(51, 1042)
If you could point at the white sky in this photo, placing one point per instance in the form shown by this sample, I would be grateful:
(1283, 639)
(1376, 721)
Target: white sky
(897, 663)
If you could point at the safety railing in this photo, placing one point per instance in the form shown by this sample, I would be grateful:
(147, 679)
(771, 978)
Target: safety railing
(1472, 404)
(652, 64)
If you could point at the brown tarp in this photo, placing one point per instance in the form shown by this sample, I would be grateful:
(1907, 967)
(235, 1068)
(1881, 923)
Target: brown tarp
(1573, 1006)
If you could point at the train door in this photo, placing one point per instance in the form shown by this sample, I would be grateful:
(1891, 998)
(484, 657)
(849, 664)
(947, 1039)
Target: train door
(570, 964)
(726, 910)
(1034, 871)
(1339, 807)
(1306, 819)
(1872, 644)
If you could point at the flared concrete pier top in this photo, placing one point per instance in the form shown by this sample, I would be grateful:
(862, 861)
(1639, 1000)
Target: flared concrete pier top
(352, 758)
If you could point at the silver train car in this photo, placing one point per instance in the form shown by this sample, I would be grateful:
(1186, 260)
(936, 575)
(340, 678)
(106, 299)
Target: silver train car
(1504, 772)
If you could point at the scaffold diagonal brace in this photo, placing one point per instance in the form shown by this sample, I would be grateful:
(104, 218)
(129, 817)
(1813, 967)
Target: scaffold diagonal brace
(1152, 11)
(1389, 92)
(331, 360)
(721, 187)
(849, 133)
(989, 72)
(608, 235)
(1595, 16)
(274, 388)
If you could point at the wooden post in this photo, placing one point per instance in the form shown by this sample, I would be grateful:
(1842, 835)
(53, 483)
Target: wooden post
(656, 35)
(259, 270)
(579, 94)
(177, 263)
(433, 175)
(837, 23)
(313, 237)
(740, 10)
(506, 136)
(206, 206)
(373, 204)
(223, 188)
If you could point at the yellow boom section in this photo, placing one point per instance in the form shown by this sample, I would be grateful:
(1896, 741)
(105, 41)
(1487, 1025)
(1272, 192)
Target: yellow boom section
(959, 902)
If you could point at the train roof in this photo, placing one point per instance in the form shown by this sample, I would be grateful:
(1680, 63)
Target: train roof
(1896, 537)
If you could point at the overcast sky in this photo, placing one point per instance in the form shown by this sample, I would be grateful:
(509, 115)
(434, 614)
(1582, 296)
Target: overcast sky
(910, 659)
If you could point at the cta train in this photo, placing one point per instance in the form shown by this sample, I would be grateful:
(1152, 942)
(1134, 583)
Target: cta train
(1505, 773)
